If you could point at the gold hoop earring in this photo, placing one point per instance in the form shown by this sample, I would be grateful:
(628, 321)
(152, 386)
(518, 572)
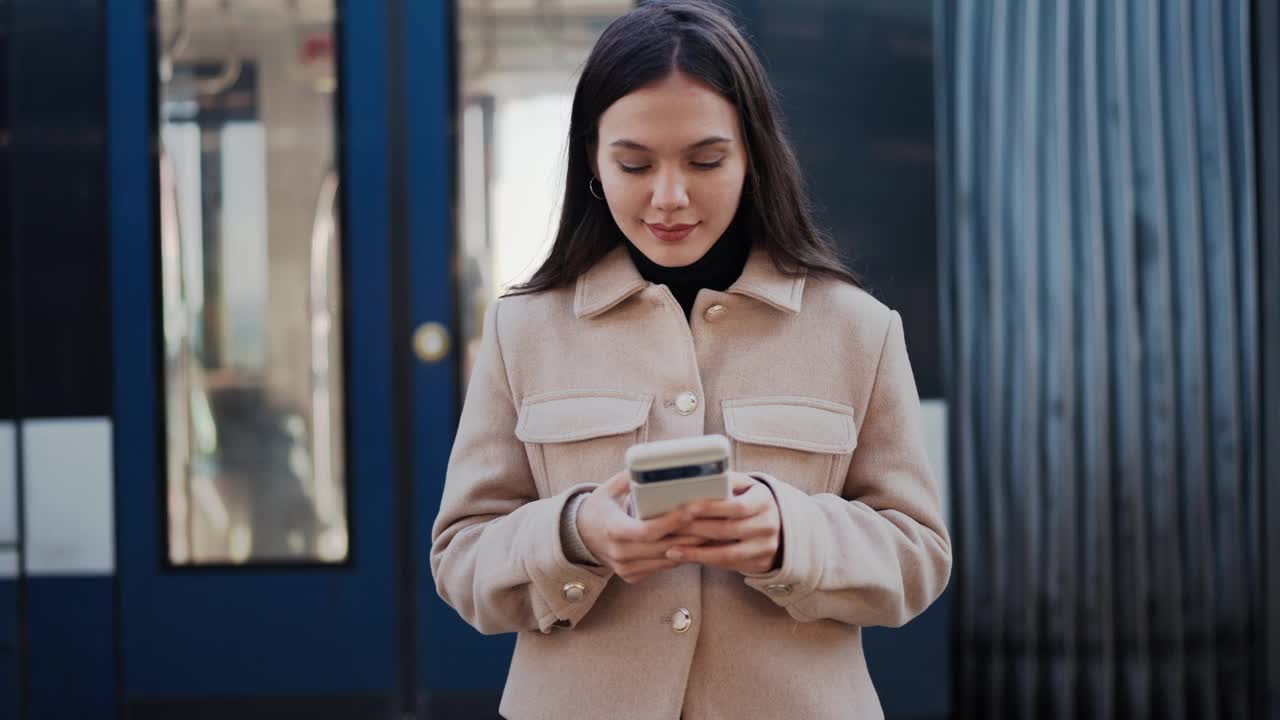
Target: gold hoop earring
(592, 188)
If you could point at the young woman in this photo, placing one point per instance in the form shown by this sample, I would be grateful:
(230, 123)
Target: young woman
(688, 292)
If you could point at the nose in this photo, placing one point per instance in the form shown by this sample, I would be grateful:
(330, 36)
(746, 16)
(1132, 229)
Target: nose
(670, 191)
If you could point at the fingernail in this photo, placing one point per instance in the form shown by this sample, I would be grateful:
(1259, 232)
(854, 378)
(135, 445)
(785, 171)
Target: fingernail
(674, 554)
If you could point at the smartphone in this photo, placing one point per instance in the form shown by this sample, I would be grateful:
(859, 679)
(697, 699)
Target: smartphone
(669, 473)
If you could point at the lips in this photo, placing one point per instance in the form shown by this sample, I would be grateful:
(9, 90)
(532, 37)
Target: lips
(670, 233)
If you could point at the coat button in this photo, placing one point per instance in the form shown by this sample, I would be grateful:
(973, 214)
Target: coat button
(715, 312)
(779, 589)
(681, 620)
(686, 403)
(574, 591)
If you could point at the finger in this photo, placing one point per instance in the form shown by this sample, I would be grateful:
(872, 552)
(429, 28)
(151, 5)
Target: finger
(741, 482)
(617, 513)
(755, 499)
(636, 571)
(622, 503)
(633, 551)
(752, 527)
(712, 530)
(758, 493)
(733, 556)
(683, 538)
(735, 509)
(618, 485)
(652, 529)
(726, 556)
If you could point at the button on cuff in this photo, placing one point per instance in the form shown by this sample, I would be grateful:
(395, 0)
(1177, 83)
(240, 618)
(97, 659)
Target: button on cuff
(550, 571)
(803, 555)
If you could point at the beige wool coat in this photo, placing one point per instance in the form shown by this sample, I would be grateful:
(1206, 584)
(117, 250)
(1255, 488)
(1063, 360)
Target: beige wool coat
(809, 379)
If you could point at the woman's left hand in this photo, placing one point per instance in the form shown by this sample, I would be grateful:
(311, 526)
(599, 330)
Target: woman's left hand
(745, 531)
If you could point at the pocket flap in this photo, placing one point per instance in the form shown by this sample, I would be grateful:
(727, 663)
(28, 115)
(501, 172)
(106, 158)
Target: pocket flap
(792, 422)
(580, 415)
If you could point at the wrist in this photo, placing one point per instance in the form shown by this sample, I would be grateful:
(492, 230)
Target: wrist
(778, 555)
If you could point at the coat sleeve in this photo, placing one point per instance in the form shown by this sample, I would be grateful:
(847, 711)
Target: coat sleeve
(879, 553)
(496, 554)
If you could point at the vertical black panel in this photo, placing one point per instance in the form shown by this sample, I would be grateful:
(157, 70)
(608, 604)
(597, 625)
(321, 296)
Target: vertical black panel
(8, 343)
(13, 680)
(1266, 65)
(856, 86)
(57, 201)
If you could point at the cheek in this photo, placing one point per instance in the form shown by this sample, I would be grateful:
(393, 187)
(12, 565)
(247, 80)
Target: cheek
(627, 198)
(721, 195)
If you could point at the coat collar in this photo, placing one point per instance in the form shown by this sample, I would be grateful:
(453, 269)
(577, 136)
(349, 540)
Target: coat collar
(614, 278)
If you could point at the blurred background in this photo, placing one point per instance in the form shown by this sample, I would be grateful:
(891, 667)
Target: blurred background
(246, 246)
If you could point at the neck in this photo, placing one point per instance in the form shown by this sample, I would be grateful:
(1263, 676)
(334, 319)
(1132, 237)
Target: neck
(716, 270)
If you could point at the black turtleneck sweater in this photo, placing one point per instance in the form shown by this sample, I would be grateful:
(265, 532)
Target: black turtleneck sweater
(716, 270)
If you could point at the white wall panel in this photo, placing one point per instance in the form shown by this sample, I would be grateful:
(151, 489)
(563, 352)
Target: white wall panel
(935, 437)
(70, 520)
(8, 483)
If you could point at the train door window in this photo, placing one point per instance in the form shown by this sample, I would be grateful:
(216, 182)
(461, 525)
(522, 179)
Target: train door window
(251, 277)
(517, 67)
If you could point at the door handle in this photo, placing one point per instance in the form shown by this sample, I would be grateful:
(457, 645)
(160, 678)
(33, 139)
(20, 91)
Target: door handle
(431, 342)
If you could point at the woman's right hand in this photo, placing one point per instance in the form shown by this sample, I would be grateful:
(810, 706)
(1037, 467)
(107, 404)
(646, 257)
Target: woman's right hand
(633, 549)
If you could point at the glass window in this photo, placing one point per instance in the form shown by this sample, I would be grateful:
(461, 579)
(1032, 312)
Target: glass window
(251, 281)
(517, 62)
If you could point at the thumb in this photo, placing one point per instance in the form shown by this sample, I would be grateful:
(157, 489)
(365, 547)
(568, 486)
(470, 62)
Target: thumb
(619, 485)
(742, 482)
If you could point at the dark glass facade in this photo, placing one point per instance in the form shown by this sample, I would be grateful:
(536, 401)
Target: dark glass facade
(856, 84)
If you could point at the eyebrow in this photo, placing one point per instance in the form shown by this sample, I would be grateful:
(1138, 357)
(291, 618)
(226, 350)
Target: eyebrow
(633, 145)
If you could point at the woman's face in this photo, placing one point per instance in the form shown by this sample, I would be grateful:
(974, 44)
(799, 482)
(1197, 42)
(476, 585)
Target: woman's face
(671, 161)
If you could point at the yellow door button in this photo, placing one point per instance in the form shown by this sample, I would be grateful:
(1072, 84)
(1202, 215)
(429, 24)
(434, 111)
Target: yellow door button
(431, 342)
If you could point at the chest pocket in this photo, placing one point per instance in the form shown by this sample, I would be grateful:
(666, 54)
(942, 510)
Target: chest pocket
(577, 436)
(802, 441)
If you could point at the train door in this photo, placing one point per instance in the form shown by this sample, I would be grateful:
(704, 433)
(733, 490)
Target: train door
(264, 567)
(337, 189)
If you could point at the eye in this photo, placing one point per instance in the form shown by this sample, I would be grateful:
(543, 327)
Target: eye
(633, 169)
(708, 165)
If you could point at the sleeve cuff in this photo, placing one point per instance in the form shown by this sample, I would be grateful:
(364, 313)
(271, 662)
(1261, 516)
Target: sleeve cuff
(574, 548)
(802, 555)
(563, 592)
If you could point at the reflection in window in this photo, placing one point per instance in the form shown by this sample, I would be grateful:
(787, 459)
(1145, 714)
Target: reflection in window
(251, 280)
(517, 65)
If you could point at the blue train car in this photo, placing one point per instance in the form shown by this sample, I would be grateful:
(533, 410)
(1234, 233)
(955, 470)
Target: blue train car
(246, 248)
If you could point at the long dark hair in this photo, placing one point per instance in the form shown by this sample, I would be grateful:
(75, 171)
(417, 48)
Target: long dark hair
(698, 38)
